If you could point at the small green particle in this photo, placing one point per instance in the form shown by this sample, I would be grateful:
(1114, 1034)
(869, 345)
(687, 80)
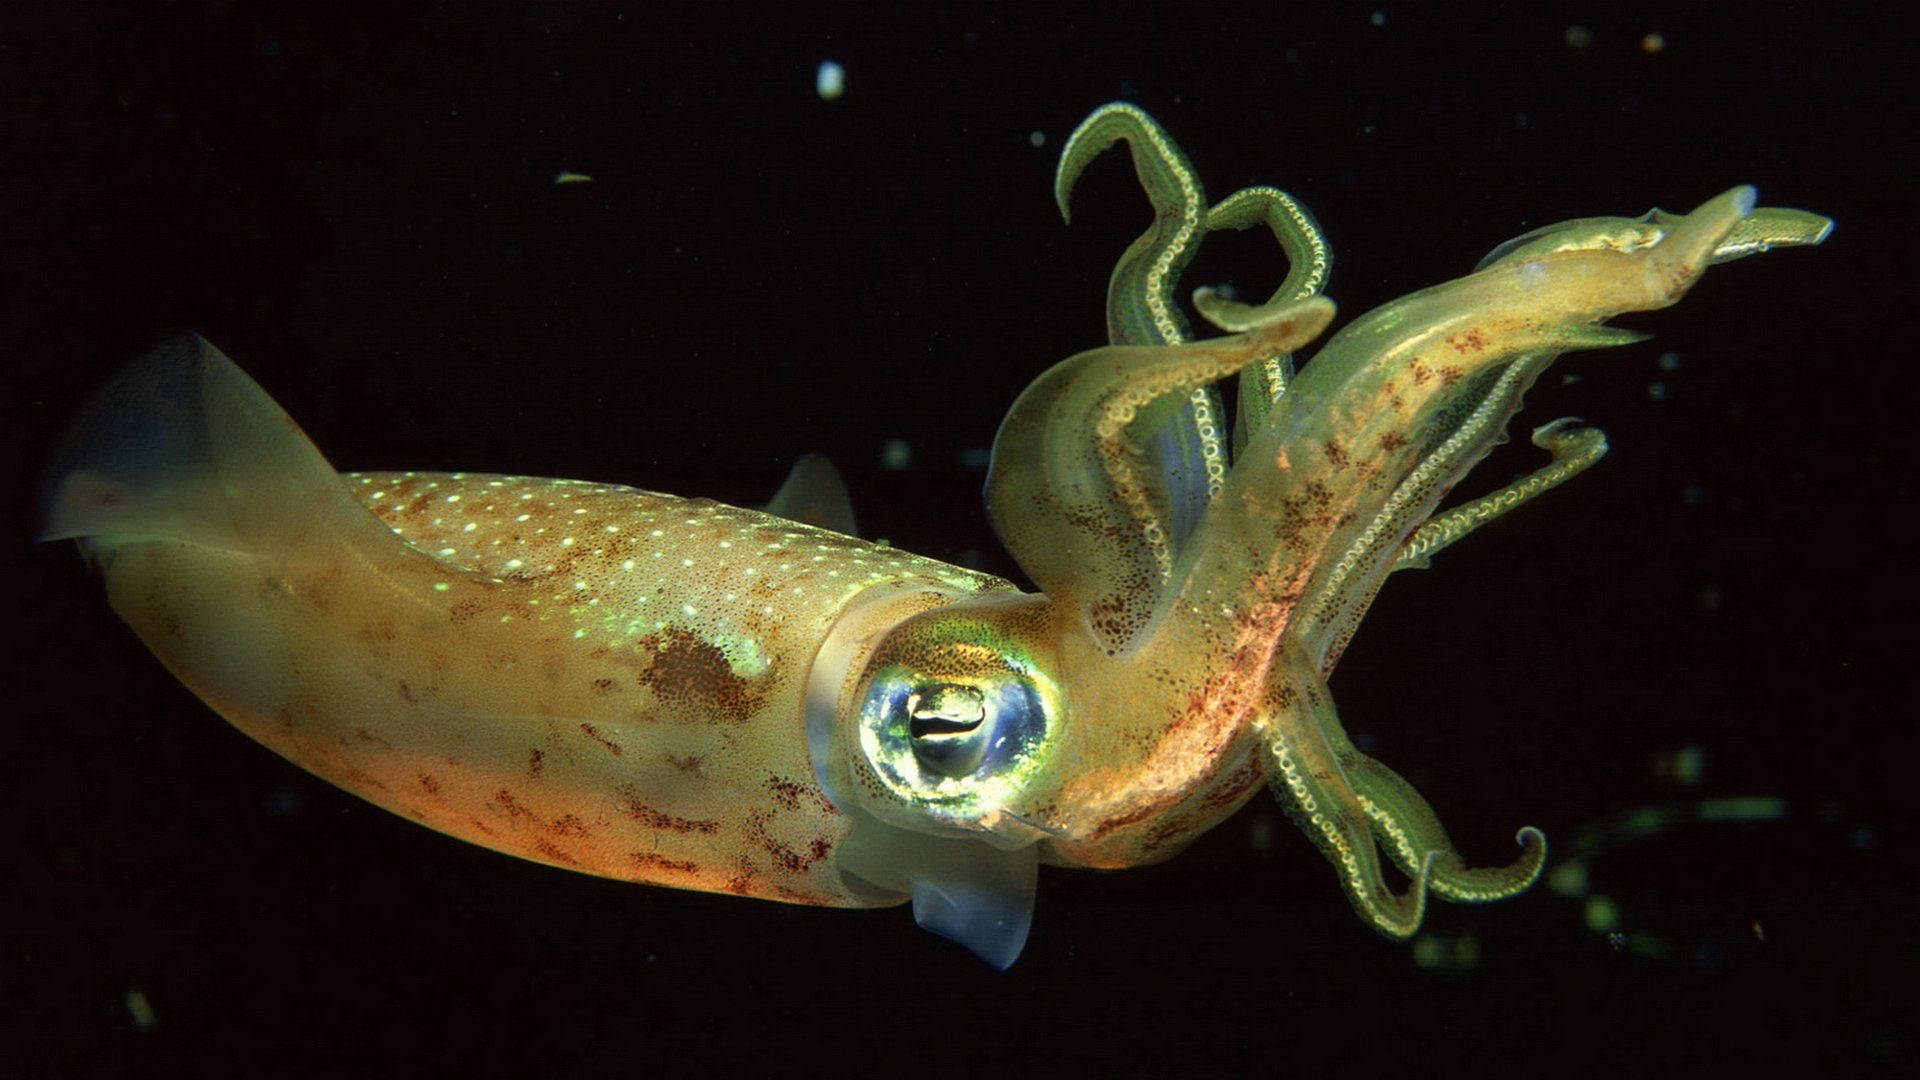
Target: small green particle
(141, 1010)
(1428, 951)
(1649, 947)
(1602, 914)
(1753, 808)
(1644, 821)
(441, 586)
(1569, 878)
(1689, 763)
(568, 176)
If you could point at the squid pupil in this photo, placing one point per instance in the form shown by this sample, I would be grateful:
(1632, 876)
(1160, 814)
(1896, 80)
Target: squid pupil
(944, 711)
(933, 726)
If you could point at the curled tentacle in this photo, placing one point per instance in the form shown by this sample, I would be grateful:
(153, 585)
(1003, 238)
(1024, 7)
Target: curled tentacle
(1140, 305)
(1575, 449)
(1334, 611)
(1071, 487)
(1186, 440)
(1459, 444)
(1309, 258)
(1331, 472)
(1413, 836)
(1406, 826)
(1306, 772)
(1334, 451)
(1309, 261)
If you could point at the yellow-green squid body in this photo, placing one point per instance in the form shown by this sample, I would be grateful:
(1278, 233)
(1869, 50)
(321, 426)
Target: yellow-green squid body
(674, 691)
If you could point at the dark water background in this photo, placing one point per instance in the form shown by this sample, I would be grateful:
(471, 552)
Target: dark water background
(360, 209)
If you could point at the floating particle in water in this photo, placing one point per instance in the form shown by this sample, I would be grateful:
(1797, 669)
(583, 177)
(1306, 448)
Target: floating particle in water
(1683, 765)
(140, 1009)
(568, 176)
(1602, 914)
(896, 454)
(1260, 833)
(829, 80)
(1447, 951)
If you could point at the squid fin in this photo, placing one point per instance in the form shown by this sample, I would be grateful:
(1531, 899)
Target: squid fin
(963, 890)
(814, 494)
(184, 447)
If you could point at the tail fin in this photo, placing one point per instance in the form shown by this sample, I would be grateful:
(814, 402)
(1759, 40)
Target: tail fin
(183, 446)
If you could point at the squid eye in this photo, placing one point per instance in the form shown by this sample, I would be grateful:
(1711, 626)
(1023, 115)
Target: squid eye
(952, 741)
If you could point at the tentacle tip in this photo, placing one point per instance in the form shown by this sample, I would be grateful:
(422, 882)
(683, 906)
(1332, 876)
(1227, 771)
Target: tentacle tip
(1065, 174)
(1426, 867)
(1545, 433)
(1417, 894)
(1531, 838)
(1744, 198)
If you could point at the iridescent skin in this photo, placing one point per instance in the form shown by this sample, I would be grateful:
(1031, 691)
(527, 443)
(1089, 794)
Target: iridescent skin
(672, 691)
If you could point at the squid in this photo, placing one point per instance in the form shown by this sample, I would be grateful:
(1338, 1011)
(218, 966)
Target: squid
(678, 692)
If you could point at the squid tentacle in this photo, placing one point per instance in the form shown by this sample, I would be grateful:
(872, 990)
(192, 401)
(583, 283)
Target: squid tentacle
(1309, 262)
(1322, 471)
(1309, 257)
(1140, 305)
(1332, 454)
(1187, 442)
(1407, 827)
(1305, 770)
(1762, 230)
(1412, 835)
(1085, 522)
(1335, 610)
(1575, 448)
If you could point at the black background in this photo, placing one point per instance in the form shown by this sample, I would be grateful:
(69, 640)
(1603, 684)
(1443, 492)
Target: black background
(358, 206)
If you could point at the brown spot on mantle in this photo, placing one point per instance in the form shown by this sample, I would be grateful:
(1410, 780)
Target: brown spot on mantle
(694, 675)
(655, 818)
(594, 734)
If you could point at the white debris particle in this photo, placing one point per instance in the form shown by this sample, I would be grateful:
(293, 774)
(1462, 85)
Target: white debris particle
(896, 454)
(830, 81)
